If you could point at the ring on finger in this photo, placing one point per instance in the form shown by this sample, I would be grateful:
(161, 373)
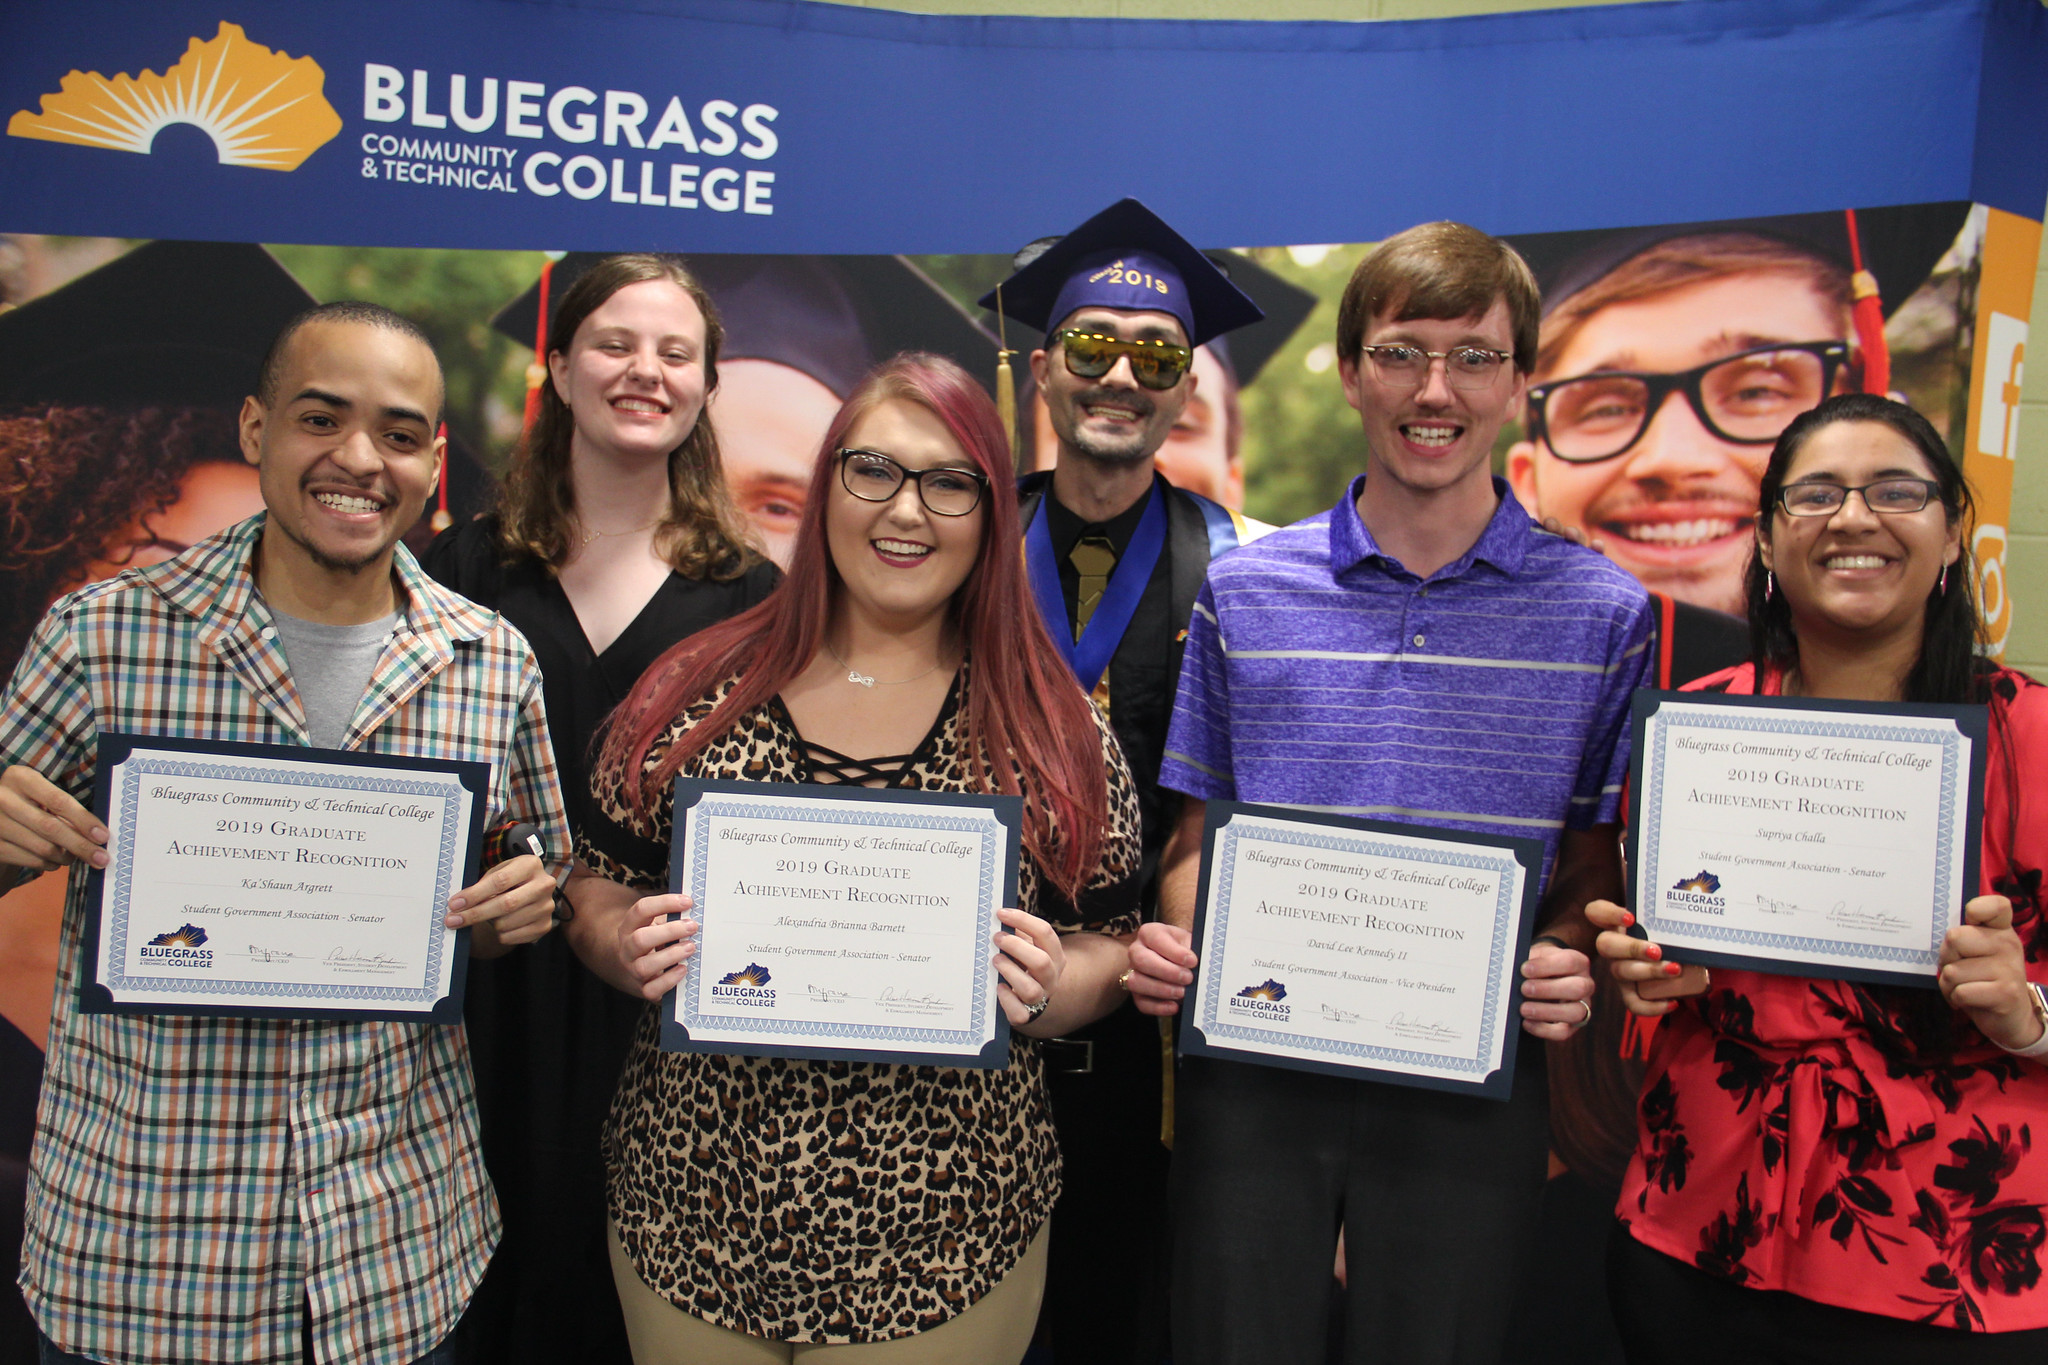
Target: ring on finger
(1587, 1006)
(1037, 1007)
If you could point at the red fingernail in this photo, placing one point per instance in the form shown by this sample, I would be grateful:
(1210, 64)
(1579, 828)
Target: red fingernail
(1672, 969)
(1653, 953)
(1627, 919)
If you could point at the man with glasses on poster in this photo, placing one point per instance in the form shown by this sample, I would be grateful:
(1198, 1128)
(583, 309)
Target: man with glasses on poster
(1115, 556)
(1671, 357)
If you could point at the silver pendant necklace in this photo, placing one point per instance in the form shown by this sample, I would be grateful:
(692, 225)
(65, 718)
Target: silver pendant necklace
(868, 680)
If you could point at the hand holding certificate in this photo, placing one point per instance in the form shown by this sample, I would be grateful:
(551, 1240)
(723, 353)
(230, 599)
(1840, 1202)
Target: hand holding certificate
(1818, 838)
(842, 922)
(270, 880)
(1360, 948)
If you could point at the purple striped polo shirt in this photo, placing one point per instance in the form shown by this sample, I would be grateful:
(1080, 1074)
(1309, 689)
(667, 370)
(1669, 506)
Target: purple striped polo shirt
(1492, 696)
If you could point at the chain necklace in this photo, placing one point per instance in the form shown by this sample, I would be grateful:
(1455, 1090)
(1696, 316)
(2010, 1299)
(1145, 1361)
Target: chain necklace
(589, 536)
(868, 680)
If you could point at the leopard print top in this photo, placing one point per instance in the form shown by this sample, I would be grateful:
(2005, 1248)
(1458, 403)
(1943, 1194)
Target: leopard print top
(832, 1201)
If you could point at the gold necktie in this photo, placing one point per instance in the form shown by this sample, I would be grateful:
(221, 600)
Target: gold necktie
(1093, 560)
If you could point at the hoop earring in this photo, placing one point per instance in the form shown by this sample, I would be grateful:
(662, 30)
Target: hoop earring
(1941, 588)
(1770, 584)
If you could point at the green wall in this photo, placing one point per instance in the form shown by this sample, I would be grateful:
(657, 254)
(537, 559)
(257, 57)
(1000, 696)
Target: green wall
(2027, 556)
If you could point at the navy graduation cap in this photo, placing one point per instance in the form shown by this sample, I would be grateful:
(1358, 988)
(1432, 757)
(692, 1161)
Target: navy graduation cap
(174, 324)
(1124, 257)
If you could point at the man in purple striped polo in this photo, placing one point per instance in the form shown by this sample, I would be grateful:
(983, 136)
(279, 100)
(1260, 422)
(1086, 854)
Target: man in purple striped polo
(1424, 653)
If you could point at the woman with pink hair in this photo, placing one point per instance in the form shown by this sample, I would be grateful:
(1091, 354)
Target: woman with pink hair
(768, 1208)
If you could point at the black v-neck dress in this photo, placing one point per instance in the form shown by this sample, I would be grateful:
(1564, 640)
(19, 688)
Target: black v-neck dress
(548, 1039)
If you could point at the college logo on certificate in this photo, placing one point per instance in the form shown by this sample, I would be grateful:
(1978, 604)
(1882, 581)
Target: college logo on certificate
(278, 881)
(1816, 838)
(1362, 948)
(842, 922)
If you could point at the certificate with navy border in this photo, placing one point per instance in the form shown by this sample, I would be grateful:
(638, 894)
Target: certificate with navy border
(842, 922)
(1802, 836)
(277, 881)
(1361, 948)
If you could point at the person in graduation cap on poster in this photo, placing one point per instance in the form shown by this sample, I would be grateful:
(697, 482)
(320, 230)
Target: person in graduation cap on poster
(1671, 357)
(1115, 556)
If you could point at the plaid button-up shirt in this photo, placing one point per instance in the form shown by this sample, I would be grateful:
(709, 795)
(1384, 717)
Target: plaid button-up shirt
(196, 1183)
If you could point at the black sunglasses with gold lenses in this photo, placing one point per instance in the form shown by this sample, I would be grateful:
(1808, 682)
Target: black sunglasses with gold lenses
(1154, 364)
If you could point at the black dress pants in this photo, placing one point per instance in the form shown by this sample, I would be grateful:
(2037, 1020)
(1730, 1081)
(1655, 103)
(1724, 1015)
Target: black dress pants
(1671, 1313)
(1105, 1283)
(1439, 1194)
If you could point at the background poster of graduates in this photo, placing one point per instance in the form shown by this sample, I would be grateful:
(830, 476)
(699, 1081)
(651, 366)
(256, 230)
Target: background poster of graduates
(1702, 188)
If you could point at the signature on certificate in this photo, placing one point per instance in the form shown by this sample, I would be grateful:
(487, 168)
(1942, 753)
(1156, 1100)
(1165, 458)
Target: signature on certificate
(825, 997)
(1859, 920)
(257, 954)
(1423, 1030)
(349, 960)
(925, 1000)
(1336, 1016)
(1765, 905)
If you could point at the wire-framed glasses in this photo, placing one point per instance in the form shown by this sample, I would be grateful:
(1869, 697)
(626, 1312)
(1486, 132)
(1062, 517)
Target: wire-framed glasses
(1468, 367)
(1885, 495)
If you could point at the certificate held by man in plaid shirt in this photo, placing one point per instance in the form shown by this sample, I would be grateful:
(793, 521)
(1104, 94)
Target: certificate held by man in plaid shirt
(271, 1190)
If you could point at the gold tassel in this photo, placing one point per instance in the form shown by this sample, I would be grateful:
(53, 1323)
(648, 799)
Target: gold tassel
(1006, 401)
(1006, 384)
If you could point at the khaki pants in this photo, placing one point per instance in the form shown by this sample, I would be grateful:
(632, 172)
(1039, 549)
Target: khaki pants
(996, 1330)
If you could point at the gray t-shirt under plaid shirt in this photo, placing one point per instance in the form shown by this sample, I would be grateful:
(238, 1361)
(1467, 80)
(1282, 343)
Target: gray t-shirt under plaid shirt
(331, 667)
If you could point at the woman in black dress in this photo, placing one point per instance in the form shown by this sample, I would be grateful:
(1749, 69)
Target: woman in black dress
(615, 538)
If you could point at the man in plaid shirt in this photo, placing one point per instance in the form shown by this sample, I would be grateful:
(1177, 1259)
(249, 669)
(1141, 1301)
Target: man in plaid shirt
(274, 1190)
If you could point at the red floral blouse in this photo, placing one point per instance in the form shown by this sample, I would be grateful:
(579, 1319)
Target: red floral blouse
(1863, 1146)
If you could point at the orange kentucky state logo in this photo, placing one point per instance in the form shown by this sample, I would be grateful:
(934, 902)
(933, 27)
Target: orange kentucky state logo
(261, 108)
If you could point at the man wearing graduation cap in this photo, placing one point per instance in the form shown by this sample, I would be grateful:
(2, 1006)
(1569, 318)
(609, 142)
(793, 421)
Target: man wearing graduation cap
(1115, 556)
(1204, 451)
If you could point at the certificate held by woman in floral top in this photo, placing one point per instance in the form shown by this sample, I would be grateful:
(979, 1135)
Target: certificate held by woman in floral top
(842, 922)
(1816, 838)
(273, 880)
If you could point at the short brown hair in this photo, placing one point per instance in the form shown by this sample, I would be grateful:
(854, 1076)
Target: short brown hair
(1691, 260)
(1440, 270)
(701, 536)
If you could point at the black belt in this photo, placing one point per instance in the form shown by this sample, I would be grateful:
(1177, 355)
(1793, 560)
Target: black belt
(1069, 1056)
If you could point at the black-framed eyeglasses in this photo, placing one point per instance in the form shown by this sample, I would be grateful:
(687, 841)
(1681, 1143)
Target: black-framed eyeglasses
(1154, 364)
(1469, 367)
(1748, 398)
(872, 476)
(1885, 495)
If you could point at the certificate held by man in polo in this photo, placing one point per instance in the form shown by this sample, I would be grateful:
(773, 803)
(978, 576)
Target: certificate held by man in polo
(278, 881)
(1361, 948)
(842, 922)
(1803, 836)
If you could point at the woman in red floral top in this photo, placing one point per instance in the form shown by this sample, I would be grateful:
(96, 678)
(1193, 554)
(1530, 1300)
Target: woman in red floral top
(1828, 1171)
